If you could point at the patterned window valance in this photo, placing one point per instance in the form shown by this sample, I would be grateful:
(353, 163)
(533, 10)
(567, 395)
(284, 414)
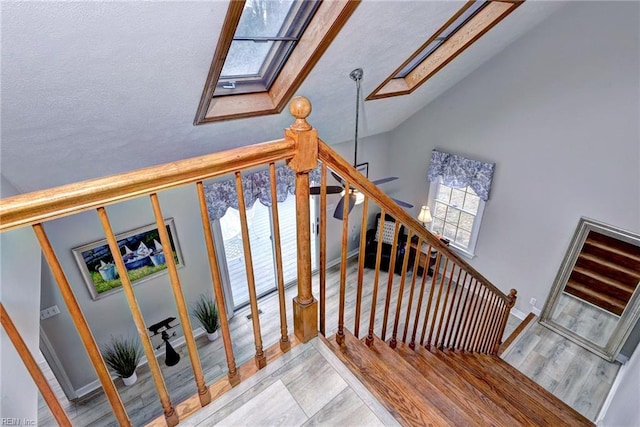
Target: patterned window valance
(460, 172)
(221, 195)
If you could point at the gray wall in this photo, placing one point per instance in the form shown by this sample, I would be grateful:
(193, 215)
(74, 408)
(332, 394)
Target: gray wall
(557, 111)
(20, 262)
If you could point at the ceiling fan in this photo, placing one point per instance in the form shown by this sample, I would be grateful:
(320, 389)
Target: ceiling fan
(355, 196)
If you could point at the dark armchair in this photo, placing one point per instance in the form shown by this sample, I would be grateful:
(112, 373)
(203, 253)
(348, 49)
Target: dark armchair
(371, 247)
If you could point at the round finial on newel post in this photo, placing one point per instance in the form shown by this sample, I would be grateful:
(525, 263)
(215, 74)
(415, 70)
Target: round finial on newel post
(300, 108)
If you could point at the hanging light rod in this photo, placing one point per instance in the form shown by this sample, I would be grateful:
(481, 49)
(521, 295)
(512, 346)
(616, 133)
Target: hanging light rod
(356, 75)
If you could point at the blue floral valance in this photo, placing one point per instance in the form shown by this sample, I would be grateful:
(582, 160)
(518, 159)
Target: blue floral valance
(221, 195)
(460, 172)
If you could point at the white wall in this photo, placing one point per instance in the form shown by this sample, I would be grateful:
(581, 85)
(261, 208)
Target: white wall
(557, 111)
(624, 410)
(20, 262)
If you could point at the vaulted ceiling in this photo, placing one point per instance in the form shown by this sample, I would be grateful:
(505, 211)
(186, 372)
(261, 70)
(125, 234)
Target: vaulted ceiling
(90, 89)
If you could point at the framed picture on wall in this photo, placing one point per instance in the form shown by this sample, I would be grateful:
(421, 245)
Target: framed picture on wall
(141, 251)
(363, 168)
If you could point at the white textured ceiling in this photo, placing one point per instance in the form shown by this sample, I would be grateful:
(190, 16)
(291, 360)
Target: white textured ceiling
(95, 88)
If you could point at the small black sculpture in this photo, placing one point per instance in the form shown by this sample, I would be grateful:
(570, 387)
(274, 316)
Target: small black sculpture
(171, 356)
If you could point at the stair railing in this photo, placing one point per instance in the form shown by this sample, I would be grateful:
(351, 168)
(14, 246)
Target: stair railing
(455, 308)
(298, 149)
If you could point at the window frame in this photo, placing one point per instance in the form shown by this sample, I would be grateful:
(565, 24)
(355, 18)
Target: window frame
(325, 25)
(469, 251)
(473, 28)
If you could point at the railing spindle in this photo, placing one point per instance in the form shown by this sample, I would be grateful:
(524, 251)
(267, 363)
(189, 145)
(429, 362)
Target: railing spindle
(323, 248)
(423, 284)
(285, 344)
(512, 301)
(260, 358)
(363, 240)
(475, 316)
(343, 264)
(445, 307)
(233, 376)
(435, 310)
(170, 414)
(457, 320)
(434, 278)
(32, 366)
(447, 331)
(392, 265)
(374, 294)
(490, 324)
(482, 318)
(183, 313)
(82, 326)
(414, 275)
(468, 303)
(394, 340)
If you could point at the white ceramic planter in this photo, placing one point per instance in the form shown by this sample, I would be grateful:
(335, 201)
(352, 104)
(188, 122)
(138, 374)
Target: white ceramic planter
(213, 336)
(130, 380)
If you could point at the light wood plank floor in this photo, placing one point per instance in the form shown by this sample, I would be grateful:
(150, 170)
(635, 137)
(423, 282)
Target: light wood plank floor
(576, 376)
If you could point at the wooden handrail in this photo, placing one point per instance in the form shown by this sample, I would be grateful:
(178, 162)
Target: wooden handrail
(45, 205)
(348, 172)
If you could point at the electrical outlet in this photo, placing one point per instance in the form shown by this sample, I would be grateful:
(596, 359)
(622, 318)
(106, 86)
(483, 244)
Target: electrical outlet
(49, 312)
(532, 301)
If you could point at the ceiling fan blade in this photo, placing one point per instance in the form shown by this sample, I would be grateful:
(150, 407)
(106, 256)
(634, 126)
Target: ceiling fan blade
(331, 189)
(384, 180)
(337, 177)
(403, 204)
(338, 213)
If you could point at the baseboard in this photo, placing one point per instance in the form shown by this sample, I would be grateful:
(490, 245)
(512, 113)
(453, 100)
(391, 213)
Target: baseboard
(519, 314)
(337, 261)
(176, 343)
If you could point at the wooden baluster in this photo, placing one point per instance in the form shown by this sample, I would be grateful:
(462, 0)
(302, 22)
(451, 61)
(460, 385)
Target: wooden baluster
(423, 284)
(482, 320)
(496, 338)
(468, 304)
(260, 358)
(233, 376)
(343, 265)
(394, 341)
(435, 310)
(414, 275)
(170, 414)
(82, 326)
(285, 344)
(490, 323)
(392, 265)
(512, 301)
(363, 240)
(305, 159)
(457, 321)
(474, 319)
(183, 313)
(445, 307)
(374, 294)
(447, 332)
(434, 277)
(323, 247)
(32, 366)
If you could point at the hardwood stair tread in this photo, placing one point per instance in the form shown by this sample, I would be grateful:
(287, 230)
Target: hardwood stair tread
(597, 277)
(593, 259)
(614, 244)
(403, 402)
(466, 394)
(549, 405)
(606, 302)
(600, 249)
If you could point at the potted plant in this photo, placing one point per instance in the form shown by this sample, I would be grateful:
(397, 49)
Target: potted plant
(123, 355)
(206, 312)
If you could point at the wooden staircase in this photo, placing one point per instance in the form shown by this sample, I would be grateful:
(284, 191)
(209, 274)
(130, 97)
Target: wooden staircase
(434, 387)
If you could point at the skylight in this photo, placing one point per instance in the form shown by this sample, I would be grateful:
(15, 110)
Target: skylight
(267, 33)
(466, 26)
(265, 50)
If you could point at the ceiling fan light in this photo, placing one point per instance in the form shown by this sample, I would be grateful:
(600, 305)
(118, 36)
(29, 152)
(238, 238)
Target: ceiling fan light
(359, 197)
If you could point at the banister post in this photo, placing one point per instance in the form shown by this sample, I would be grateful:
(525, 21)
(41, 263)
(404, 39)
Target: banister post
(305, 306)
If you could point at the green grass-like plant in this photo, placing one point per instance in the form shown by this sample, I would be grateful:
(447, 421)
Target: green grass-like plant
(206, 312)
(122, 355)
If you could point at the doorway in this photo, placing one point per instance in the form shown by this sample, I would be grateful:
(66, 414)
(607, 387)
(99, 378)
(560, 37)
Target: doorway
(260, 224)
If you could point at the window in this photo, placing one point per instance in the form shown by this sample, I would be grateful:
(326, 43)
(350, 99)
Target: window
(266, 35)
(466, 26)
(457, 213)
(265, 50)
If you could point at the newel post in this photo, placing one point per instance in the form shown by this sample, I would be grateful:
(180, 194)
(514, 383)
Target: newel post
(512, 301)
(305, 306)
